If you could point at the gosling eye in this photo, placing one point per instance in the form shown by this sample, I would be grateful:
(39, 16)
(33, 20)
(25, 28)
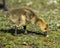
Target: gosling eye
(45, 28)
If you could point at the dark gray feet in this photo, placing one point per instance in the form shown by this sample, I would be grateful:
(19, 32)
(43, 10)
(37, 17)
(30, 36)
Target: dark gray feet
(15, 31)
(4, 5)
(5, 9)
(25, 31)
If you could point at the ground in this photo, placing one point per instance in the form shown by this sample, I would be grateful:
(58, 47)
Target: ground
(48, 10)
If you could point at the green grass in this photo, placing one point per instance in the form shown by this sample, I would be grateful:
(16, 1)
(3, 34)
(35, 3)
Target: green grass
(49, 12)
(9, 41)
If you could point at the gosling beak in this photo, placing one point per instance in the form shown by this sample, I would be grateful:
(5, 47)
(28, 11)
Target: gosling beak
(45, 34)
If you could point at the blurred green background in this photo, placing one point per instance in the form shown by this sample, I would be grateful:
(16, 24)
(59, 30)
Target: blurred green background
(49, 10)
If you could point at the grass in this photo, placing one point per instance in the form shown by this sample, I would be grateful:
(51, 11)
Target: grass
(49, 12)
(9, 41)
